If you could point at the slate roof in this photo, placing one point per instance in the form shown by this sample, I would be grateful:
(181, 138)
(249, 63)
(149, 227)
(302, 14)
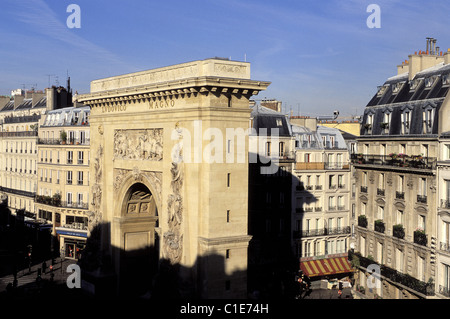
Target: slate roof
(400, 93)
(26, 104)
(265, 118)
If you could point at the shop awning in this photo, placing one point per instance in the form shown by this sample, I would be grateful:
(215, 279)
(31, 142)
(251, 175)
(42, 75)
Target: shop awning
(324, 267)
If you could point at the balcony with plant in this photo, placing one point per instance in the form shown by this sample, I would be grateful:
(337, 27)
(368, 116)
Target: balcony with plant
(362, 221)
(420, 237)
(398, 231)
(379, 226)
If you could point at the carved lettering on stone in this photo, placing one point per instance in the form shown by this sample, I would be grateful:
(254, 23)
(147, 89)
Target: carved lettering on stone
(145, 144)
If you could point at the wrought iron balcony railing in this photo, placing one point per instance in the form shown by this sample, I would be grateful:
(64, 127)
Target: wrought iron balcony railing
(321, 232)
(397, 161)
(415, 284)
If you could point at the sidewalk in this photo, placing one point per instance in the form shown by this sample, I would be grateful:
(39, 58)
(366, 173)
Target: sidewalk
(26, 280)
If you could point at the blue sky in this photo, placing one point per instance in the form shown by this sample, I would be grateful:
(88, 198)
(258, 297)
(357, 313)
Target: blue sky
(319, 55)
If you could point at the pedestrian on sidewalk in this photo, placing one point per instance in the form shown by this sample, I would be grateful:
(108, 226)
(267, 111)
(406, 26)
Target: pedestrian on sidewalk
(44, 266)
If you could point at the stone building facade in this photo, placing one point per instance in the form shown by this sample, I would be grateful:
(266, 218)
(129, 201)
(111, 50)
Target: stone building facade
(398, 188)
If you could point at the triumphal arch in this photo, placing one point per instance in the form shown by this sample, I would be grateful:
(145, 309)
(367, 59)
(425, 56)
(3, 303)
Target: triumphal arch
(166, 177)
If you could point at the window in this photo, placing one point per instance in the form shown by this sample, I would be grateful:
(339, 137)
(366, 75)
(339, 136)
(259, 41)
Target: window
(386, 122)
(268, 148)
(421, 222)
(399, 218)
(331, 182)
(307, 157)
(331, 203)
(406, 119)
(341, 181)
(80, 178)
(80, 157)
(400, 184)
(71, 137)
(428, 115)
(383, 149)
(79, 199)
(446, 277)
(340, 203)
(369, 124)
(69, 177)
(82, 137)
(228, 179)
(399, 259)
(380, 252)
(420, 268)
(228, 216)
(281, 149)
(381, 181)
(381, 212)
(446, 152)
(423, 186)
(69, 157)
(227, 254)
(364, 179)
(69, 199)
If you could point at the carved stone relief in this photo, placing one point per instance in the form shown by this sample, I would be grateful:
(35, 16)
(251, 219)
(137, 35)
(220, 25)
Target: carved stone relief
(154, 178)
(173, 238)
(145, 144)
(96, 214)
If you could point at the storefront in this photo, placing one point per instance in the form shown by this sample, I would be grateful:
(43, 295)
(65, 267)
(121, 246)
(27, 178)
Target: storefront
(72, 242)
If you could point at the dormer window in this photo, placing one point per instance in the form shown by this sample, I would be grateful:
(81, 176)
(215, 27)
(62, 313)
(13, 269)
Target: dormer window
(427, 116)
(369, 123)
(446, 79)
(429, 81)
(406, 120)
(397, 86)
(279, 122)
(381, 90)
(386, 122)
(413, 84)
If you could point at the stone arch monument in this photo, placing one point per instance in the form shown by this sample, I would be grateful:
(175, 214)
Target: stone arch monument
(158, 130)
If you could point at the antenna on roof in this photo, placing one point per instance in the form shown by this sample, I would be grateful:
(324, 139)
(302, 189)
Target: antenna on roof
(49, 75)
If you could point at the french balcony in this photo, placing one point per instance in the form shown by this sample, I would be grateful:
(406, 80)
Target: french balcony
(400, 195)
(445, 203)
(362, 221)
(363, 189)
(420, 238)
(422, 199)
(379, 226)
(380, 192)
(398, 231)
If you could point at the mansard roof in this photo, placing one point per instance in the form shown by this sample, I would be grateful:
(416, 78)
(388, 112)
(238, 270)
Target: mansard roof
(426, 90)
(265, 118)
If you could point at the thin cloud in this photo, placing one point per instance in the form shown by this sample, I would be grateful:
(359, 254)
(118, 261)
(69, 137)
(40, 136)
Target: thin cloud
(44, 20)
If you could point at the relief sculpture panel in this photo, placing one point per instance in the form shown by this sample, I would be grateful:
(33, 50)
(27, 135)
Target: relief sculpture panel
(145, 144)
